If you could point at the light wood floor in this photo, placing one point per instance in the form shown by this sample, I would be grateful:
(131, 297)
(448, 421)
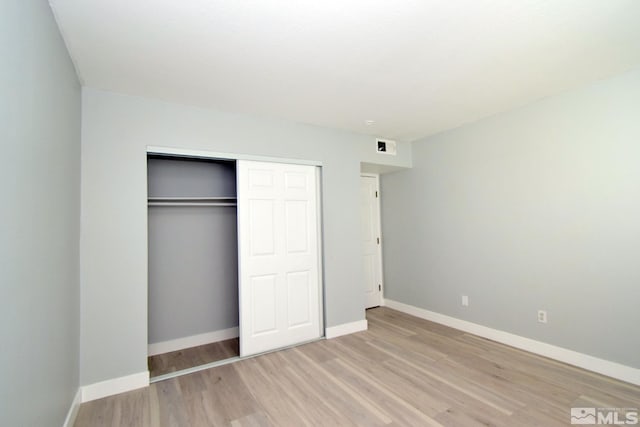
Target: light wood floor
(403, 371)
(165, 363)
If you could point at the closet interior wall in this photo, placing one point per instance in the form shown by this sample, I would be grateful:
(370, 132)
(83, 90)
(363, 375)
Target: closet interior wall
(193, 247)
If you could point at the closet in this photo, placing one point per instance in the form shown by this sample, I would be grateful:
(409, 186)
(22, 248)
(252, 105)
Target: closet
(193, 262)
(234, 265)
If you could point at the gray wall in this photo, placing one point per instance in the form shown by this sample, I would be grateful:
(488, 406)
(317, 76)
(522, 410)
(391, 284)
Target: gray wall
(537, 208)
(116, 130)
(193, 251)
(39, 218)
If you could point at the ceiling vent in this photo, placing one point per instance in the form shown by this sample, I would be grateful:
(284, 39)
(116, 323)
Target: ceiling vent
(385, 146)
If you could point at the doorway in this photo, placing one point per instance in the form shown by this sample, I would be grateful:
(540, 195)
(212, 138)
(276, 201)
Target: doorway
(371, 239)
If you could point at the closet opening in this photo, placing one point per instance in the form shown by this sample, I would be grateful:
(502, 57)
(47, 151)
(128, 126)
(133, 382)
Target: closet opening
(193, 312)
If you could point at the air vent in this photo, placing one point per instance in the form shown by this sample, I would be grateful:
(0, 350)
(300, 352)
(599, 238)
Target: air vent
(385, 146)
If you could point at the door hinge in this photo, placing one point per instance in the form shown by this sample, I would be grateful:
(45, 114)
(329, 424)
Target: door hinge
(379, 288)
(378, 240)
(376, 194)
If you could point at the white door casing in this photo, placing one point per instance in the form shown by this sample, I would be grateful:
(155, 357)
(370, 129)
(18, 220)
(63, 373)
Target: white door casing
(279, 280)
(371, 244)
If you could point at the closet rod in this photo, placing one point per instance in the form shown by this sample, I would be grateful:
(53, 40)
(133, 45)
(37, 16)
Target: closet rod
(192, 199)
(190, 204)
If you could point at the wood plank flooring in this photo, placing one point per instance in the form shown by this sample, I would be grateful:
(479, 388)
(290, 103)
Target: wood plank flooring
(165, 363)
(403, 371)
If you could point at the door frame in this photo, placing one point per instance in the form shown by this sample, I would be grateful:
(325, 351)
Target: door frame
(379, 231)
(205, 154)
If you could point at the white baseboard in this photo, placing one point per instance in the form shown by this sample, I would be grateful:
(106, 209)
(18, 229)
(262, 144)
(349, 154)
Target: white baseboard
(73, 410)
(581, 360)
(114, 386)
(192, 341)
(345, 329)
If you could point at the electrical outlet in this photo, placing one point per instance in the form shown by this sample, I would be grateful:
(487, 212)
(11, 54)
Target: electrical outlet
(542, 316)
(465, 300)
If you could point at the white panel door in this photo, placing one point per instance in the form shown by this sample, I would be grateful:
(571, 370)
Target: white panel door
(371, 253)
(278, 250)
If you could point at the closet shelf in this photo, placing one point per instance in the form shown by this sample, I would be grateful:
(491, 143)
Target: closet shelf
(192, 201)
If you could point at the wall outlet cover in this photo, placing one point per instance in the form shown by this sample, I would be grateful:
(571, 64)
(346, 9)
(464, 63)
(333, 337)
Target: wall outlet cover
(542, 316)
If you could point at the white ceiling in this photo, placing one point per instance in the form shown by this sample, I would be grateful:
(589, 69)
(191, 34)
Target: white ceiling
(416, 67)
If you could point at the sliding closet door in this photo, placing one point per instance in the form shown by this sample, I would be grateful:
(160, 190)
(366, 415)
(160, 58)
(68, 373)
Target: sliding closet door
(278, 262)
